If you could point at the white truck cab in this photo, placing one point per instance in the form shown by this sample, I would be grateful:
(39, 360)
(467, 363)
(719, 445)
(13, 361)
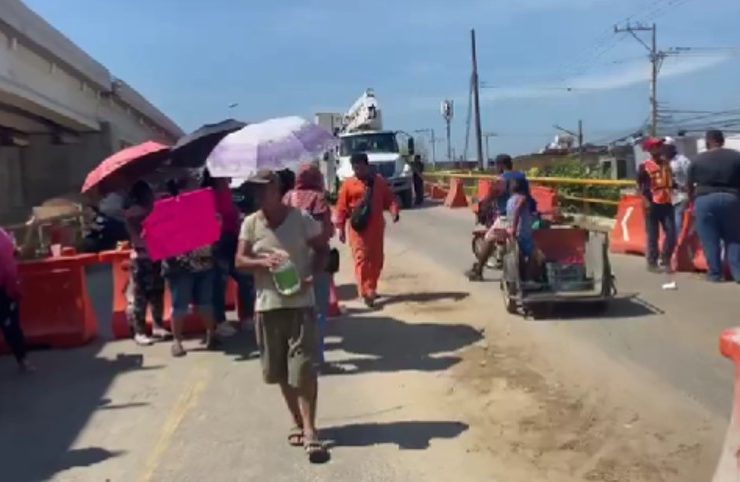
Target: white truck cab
(362, 131)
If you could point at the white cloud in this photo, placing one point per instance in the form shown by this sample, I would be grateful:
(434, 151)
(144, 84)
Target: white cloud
(628, 75)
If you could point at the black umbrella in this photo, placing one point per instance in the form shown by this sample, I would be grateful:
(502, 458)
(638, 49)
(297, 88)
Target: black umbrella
(192, 150)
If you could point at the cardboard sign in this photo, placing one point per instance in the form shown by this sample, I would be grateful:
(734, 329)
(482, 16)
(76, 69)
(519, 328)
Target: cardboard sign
(181, 224)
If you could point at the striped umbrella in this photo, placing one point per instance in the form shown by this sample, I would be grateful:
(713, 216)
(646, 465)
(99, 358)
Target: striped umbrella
(281, 143)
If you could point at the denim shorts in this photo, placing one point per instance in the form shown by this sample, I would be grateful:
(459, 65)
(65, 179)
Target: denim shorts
(194, 289)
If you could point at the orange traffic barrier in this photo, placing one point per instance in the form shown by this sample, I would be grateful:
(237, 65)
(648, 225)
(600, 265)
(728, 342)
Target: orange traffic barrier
(686, 245)
(55, 308)
(120, 261)
(548, 204)
(231, 294)
(437, 193)
(689, 254)
(728, 468)
(485, 189)
(334, 309)
(456, 195)
(628, 235)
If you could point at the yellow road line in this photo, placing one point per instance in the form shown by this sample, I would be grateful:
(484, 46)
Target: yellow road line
(185, 403)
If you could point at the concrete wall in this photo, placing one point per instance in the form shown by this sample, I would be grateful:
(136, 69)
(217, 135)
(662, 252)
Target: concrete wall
(43, 170)
(47, 86)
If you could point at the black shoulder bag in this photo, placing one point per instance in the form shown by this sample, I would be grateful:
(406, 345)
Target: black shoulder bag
(361, 214)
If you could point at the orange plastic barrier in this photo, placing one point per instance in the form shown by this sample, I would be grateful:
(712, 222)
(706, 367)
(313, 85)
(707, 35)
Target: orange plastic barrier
(728, 468)
(548, 204)
(485, 188)
(334, 309)
(231, 294)
(687, 245)
(562, 245)
(689, 255)
(120, 261)
(628, 235)
(456, 196)
(437, 193)
(55, 308)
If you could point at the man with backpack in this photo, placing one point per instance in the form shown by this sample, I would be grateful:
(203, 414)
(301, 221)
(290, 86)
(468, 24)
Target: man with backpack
(362, 201)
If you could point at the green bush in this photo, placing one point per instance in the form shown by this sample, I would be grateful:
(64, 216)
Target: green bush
(576, 170)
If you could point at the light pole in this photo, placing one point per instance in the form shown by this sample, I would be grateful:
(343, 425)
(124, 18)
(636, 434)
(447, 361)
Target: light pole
(434, 142)
(488, 155)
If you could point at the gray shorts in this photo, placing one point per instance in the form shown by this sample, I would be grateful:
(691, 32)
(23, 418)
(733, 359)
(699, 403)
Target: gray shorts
(288, 344)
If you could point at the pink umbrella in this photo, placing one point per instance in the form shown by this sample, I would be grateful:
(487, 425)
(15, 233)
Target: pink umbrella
(128, 163)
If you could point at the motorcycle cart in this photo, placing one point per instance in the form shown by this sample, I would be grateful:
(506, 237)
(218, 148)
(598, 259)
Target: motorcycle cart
(576, 269)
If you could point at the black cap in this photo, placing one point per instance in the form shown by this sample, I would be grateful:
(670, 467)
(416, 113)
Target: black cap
(503, 159)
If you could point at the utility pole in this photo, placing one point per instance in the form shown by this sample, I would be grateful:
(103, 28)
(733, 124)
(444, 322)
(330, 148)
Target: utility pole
(447, 114)
(476, 101)
(656, 59)
(578, 135)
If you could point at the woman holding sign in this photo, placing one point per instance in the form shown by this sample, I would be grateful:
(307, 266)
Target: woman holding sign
(191, 277)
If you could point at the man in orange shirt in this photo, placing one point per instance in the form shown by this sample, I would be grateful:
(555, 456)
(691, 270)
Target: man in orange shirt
(362, 201)
(655, 182)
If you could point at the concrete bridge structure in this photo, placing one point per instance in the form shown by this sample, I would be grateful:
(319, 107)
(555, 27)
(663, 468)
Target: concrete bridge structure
(61, 113)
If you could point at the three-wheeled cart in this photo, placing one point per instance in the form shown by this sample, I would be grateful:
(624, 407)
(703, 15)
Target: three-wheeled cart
(576, 270)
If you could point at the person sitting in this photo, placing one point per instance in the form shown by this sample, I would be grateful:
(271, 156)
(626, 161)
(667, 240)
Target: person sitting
(519, 213)
(493, 206)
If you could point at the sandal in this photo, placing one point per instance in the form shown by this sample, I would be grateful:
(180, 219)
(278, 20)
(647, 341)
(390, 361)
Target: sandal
(177, 350)
(317, 453)
(295, 437)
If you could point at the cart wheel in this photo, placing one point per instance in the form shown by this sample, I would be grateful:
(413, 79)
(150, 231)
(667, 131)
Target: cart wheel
(509, 301)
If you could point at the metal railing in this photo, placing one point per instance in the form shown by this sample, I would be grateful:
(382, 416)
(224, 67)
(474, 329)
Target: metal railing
(578, 191)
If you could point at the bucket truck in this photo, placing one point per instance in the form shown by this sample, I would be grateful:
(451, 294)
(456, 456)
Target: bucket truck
(362, 131)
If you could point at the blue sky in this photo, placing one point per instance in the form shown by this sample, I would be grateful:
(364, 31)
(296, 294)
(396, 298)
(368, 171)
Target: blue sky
(193, 59)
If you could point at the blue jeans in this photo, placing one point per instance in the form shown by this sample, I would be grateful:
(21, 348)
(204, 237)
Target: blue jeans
(245, 292)
(657, 216)
(189, 288)
(321, 283)
(718, 222)
(225, 268)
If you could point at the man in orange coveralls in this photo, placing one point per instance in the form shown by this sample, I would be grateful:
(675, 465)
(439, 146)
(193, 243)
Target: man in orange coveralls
(365, 236)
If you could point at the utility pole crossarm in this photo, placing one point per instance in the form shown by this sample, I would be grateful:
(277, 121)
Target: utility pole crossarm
(656, 58)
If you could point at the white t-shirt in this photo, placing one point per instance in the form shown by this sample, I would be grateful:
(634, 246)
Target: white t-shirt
(680, 170)
(292, 236)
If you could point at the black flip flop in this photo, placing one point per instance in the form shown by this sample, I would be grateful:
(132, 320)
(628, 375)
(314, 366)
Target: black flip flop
(317, 452)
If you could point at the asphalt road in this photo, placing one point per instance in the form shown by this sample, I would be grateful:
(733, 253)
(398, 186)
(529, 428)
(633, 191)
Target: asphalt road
(671, 335)
(400, 409)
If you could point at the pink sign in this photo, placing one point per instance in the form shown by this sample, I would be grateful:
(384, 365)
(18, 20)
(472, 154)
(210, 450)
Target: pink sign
(181, 224)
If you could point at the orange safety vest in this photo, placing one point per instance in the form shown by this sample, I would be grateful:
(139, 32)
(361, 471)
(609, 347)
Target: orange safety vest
(661, 181)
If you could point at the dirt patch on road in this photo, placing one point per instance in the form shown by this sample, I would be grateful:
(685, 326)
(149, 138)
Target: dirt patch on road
(529, 419)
